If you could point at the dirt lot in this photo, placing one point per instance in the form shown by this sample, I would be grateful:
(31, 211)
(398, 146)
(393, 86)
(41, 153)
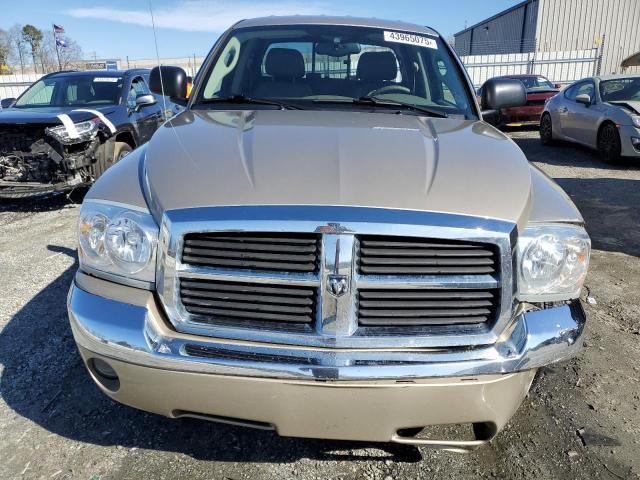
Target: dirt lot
(581, 419)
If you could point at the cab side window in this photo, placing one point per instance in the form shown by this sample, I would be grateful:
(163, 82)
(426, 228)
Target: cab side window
(138, 87)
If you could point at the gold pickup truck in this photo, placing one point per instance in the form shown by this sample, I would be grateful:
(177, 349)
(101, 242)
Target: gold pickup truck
(330, 241)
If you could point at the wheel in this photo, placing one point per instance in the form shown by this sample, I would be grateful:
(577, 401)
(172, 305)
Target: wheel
(609, 144)
(546, 129)
(121, 150)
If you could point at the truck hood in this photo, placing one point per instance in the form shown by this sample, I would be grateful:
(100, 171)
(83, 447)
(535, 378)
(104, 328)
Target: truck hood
(292, 157)
(48, 115)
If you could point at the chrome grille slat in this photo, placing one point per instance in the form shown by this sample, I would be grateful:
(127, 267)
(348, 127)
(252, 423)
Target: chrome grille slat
(253, 252)
(247, 302)
(416, 256)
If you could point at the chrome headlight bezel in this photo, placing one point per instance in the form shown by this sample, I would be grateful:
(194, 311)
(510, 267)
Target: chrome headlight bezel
(553, 260)
(98, 257)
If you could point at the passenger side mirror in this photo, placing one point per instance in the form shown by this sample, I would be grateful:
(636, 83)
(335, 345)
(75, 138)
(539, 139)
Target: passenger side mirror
(584, 99)
(145, 100)
(170, 82)
(7, 102)
(558, 86)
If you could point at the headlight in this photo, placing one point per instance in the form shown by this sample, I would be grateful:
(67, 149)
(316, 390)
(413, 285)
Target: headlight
(552, 262)
(86, 131)
(636, 121)
(118, 242)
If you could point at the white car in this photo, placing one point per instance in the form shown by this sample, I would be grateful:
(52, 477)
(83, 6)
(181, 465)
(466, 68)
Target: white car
(599, 112)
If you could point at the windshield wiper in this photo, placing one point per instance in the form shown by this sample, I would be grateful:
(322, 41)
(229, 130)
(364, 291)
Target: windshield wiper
(244, 100)
(383, 102)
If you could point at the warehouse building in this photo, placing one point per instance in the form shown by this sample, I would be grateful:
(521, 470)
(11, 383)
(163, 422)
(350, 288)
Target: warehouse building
(608, 26)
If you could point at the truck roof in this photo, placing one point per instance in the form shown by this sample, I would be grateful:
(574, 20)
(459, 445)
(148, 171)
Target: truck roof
(102, 73)
(335, 20)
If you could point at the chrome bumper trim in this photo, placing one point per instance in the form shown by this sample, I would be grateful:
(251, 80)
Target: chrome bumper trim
(126, 332)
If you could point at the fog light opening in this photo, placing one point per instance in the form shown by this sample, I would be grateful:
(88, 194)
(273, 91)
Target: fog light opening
(104, 374)
(636, 143)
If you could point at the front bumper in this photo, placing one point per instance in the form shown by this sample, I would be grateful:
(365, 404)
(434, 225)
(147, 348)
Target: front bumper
(626, 133)
(313, 392)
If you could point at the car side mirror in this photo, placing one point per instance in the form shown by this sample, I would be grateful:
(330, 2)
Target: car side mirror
(145, 100)
(584, 99)
(499, 93)
(558, 86)
(7, 102)
(170, 82)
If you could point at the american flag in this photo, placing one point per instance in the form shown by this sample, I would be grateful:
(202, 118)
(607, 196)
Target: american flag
(58, 28)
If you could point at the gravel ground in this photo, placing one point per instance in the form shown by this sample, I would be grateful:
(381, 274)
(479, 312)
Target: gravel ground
(581, 419)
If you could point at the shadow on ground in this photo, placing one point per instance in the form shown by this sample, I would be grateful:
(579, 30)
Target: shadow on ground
(45, 381)
(564, 154)
(45, 203)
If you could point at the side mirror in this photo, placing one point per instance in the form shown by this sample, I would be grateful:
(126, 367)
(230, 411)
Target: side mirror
(584, 99)
(499, 93)
(7, 102)
(558, 86)
(145, 100)
(170, 82)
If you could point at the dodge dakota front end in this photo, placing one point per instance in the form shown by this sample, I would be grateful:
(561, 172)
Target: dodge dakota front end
(330, 242)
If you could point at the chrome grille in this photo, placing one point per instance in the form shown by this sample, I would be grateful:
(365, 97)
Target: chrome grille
(215, 280)
(253, 251)
(415, 256)
(418, 307)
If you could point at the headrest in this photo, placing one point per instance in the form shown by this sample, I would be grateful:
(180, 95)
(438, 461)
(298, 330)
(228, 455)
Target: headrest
(377, 66)
(284, 63)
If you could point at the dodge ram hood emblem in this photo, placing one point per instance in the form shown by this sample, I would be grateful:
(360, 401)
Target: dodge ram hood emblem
(337, 285)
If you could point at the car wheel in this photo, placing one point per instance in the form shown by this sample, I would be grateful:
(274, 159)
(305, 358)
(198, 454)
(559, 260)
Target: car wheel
(546, 129)
(121, 150)
(609, 144)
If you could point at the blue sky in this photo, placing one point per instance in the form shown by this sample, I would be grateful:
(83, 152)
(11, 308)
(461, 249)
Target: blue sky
(117, 28)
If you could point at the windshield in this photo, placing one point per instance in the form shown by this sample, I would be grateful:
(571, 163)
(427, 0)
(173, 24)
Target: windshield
(72, 91)
(620, 90)
(536, 84)
(327, 66)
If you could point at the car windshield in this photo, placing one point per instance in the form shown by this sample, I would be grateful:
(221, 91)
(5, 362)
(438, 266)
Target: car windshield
(620, 90)
(328, 66)
(72, 91)
(536, 84)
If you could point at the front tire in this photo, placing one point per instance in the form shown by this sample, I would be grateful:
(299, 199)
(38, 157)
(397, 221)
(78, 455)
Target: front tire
(121, 150)
(546, 129)
(609, 144)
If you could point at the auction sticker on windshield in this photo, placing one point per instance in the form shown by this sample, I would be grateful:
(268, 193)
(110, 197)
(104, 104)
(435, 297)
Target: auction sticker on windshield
(410, 39)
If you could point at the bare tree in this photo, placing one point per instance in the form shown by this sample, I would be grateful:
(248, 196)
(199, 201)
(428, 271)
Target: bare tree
(33, 36)
(18, 46)
(70, 55)
(5, 48)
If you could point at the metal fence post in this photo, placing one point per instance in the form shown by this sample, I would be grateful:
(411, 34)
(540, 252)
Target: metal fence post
(599, 62)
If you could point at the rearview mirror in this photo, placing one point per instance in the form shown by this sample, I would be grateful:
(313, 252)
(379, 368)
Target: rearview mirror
(337, 49)
(584, 99)
(170, 82)
(7, 102)
(499, 93)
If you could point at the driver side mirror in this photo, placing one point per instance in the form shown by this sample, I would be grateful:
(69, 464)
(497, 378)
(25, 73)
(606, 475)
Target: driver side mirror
(584, 99)
(499, 93)
(7, 102)
(170, 82)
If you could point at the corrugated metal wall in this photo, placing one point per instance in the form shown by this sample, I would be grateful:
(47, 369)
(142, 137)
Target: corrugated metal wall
(510, 32)
(581, 24)
(559, 25)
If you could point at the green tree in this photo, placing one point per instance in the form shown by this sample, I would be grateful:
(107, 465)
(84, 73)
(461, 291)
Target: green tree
(5, 49)
(33, 36)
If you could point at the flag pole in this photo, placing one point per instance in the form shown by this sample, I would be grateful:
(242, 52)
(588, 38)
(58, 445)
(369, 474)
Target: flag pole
(55, 42)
